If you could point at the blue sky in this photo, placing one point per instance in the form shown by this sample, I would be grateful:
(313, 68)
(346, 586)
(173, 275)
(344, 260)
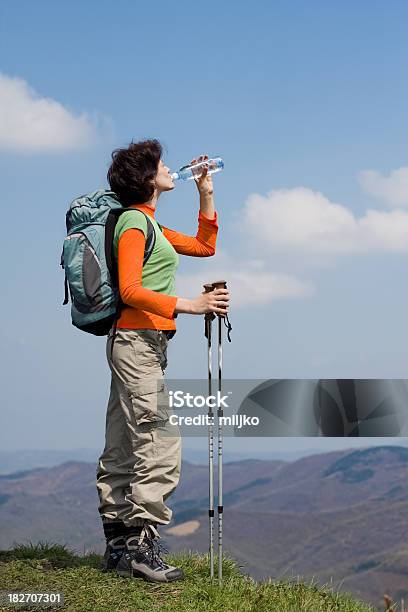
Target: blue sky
(306, 102)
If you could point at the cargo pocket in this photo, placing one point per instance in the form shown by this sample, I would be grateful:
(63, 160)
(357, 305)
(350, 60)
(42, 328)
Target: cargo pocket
(150, 402)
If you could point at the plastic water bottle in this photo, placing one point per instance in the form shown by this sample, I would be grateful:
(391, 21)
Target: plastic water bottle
(186, 173)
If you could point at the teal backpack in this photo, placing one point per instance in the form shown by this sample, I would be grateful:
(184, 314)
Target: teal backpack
(91, 278)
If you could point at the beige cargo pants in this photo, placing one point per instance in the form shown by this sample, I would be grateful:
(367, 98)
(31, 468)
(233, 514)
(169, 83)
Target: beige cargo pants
(140, 465)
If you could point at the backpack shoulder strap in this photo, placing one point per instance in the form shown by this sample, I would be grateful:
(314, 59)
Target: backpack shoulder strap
(150, 239)
(110, 225)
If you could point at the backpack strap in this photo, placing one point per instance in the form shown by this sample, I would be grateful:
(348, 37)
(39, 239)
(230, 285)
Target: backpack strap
(110, 225)
(67, 290)
(150, 239)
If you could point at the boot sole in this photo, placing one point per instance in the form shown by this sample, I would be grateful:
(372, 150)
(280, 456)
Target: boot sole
(132, 573)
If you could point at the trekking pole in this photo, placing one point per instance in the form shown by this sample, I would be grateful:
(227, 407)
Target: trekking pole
(220, 414)
(207, 332)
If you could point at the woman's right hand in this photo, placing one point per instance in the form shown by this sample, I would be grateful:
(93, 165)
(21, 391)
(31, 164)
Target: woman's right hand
(216, 301)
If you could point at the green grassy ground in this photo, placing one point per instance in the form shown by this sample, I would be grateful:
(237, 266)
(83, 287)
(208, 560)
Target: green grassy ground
(44, 567)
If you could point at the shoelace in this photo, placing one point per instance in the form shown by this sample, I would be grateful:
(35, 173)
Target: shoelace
(149, 544)
(157, 549)
(149, 531)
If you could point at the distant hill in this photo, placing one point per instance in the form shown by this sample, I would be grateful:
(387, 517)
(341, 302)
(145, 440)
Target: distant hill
(339, 516)
(17, 460)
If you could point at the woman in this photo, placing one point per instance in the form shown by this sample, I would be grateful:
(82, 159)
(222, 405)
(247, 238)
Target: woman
(140, 465)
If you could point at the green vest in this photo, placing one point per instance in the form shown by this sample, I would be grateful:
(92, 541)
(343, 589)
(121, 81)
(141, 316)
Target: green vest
(159, 271)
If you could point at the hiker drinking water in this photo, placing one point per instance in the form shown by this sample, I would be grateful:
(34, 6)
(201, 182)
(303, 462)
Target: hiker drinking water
(140, 465)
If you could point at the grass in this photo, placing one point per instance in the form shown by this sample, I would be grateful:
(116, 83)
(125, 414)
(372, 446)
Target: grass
(46, 567)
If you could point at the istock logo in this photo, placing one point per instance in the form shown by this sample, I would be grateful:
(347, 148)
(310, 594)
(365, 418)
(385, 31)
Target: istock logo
(179, 399)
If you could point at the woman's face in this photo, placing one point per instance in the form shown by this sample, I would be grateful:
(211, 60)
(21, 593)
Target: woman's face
(164, 182)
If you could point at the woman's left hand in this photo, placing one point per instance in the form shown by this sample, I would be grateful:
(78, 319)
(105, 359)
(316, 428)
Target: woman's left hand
(204, 182)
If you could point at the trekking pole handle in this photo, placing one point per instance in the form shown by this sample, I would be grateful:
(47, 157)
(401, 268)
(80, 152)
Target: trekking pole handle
(221, 284)
(208, 287)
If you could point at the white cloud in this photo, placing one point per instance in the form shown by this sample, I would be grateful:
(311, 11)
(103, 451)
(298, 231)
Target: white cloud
(299, 222)
(302, 220)
(392, 189)
(31, 123)
(250, 283)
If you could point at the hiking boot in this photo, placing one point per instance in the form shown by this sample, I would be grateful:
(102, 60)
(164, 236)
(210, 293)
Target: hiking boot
(142, 559)
(113, 553)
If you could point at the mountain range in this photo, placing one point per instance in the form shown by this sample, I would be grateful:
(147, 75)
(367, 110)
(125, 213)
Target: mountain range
(338, 518)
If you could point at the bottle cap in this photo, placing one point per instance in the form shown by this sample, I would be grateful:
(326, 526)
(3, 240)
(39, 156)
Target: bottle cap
(175, 176)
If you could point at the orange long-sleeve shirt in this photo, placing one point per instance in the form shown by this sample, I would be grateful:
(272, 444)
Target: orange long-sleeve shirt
(144, 308)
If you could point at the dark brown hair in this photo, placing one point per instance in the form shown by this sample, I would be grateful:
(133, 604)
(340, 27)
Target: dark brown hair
(133, 170)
